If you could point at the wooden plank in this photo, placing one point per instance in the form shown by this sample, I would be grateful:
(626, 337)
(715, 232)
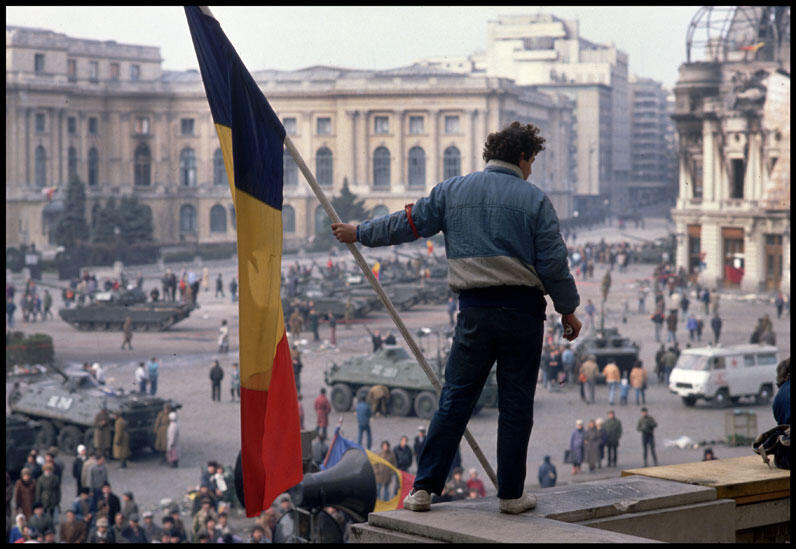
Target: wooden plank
(768, 496)
(732, 478)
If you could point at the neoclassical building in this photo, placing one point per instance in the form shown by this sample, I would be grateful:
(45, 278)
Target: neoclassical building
(110, 114)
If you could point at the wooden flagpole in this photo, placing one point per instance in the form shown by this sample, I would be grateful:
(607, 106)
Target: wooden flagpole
(330, 211)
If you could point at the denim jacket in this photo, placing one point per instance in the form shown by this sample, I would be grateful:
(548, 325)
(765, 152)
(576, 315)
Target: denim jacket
(500, 230)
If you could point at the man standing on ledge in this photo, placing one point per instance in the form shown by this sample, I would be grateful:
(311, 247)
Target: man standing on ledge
(504, 253)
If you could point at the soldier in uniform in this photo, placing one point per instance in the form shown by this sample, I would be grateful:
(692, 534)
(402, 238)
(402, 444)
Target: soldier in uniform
(295, 322)
(121, 441)
(161, 428)
(378, 398)
(128, 333)
(102, 432)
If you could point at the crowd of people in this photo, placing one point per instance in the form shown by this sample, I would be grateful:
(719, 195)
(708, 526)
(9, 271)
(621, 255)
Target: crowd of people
(33, 305)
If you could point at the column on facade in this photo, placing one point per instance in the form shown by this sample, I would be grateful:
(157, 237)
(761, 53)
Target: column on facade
(28, 172)
(754, 172)
(473, 139)
(53, 152)
(709, 174)
(754, 257)
(63, 151)
(710, 244)
(436, 160)
(368, 182)
(353, 118)
(402, 154)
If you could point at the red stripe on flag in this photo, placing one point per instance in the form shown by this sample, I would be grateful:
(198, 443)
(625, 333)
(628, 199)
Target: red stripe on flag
(407, 481)
(270, 436)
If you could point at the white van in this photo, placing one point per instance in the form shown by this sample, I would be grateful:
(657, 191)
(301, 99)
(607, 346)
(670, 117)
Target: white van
(725, 374)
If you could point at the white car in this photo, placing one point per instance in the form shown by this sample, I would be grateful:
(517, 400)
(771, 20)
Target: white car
(725, 374)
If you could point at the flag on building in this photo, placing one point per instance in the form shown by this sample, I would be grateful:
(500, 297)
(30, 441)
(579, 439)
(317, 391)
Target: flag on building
(48, 192)
(252, 138)
(340, 445)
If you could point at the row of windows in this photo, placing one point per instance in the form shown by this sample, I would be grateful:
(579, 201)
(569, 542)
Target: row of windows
(93, 69)
(416, 173)
(381, 125)
(71, 124)
(142, 167)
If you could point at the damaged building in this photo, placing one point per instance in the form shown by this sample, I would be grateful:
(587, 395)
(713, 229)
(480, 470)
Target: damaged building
(732, 116)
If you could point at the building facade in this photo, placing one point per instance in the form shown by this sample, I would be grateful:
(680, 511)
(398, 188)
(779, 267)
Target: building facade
(109, 114)
(653, 178)
(549, 54)
(733, 121)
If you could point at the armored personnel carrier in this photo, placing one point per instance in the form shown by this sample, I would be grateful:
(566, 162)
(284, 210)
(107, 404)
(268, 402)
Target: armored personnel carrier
(65, 405)
(21, 434)
(110, 309)
(392, 366)
(607, 344)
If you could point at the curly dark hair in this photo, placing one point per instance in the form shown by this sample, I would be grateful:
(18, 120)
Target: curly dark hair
(783, 372)
(513, 140)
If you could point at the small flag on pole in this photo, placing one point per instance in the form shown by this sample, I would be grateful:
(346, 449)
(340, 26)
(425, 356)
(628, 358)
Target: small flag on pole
(252, 138)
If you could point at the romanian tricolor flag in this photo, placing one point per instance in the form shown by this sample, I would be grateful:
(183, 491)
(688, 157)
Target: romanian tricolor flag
(340, 445)
(252, 137)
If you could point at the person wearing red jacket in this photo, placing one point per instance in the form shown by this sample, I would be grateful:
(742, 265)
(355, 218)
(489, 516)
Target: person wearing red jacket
(322, 409)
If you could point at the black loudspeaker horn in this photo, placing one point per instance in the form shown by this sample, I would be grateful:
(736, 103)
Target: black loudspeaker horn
(350, 485)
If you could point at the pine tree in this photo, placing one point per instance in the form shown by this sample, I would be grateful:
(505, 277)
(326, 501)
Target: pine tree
(71, 227)
(347, 206)
(106, 220)
(135, 221)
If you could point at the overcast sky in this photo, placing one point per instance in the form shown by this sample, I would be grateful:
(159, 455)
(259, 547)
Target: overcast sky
(364, 37)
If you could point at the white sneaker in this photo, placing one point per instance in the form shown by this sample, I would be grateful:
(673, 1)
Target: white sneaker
(515, 506)
(417, 500)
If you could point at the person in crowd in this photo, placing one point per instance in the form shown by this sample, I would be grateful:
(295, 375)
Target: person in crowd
(110, 499)
(161, 428)
(715, 325)
(379, 397)
(646, 426)
(591, 445)
(781, 404)
(456, 488)
(708, 455)
(547, 474)
(152, 531)
(216, 375)
(576, 440)
(612, 379)
(84, 507)
(98, 476)
(419, 442)
(129, 506)
(152, 374)
(613, 432)
(121, 440)
(403, 454)
(127, 328)
(383, 474)
(603, 437)
(475, 483)
(101, 533)
(638, 380)
(172, 440)
(102, 433)
(223, 337)
(41, 520)
(589, 370)
(363, 412)
(77, 467)
(322, 409)
(72, 530)
(141, 378)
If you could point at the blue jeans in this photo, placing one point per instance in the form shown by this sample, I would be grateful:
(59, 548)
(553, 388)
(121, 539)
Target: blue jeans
(483, 335)
(640, 392)
(153, 385)
(383, 492)
(363, 429)
(612, 387)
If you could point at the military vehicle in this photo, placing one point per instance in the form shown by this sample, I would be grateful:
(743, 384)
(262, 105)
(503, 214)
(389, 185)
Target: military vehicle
(66, 404)
(393, 367)
(110, 309)
(606, 344)
(21, 434)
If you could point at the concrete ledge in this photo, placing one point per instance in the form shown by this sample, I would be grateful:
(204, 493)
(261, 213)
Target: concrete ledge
(762, 514)
(365, 533)
(453, 523)
(709, 522)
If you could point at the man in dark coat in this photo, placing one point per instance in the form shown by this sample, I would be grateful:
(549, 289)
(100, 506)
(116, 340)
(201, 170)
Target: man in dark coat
(576, 446)
(613, 432)
(547, 474)
(134, 533)
(715, 324)
(403, 454)
(419, 442)
(25, 492)
(71, 529)
(77, 467)
(111, 499)
(216, 375)
(646, 426)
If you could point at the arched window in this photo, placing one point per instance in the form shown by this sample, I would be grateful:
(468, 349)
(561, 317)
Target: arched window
(71, 163)
(187, 219)
(322, 220)
(290, 170)
(93, 166)
(323, 166)
(379, 211)
(218, 219)
(381, 167)
(188, 167)
(143, 165)
(288, 219)
(41, 166)
(451, 163)
(417, 167)
(219, 171)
